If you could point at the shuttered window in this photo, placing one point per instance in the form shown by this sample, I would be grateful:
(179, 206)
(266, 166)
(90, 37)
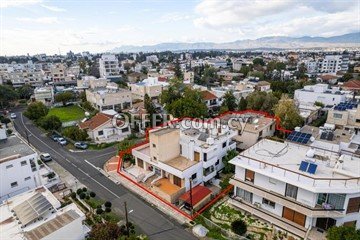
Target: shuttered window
(249, 175)
(294, 216)
(354, 205)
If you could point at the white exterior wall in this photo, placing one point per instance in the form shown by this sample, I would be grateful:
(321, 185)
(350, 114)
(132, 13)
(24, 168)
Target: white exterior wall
(18, 173)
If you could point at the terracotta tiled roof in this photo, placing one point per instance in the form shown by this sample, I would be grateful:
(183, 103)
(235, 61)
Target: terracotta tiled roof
(198, 193)
(352, 84)
(206, 95)
(96, 121)
(328, 77)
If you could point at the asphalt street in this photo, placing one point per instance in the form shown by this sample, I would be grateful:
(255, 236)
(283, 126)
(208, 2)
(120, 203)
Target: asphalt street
(152, 222)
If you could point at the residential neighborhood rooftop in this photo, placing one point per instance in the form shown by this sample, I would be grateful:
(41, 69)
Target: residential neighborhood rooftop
(12, 146)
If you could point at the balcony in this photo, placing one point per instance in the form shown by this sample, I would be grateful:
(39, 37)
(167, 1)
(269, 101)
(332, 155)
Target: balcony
(166, 190)
(317, 211)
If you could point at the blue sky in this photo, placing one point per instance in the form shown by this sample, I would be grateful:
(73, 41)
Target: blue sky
(40, 26)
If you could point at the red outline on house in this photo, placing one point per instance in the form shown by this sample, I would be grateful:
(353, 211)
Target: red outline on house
(222, 193)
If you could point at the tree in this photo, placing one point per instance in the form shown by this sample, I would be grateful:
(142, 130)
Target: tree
(239, 227)
(343, 233)
(75, 134)
(245, 70)
(5, 121)
(261, 101)
(144, 70)
(242, 104)
(50, 122)
(64, 97)
(346, 77)
(209, 76)
(229, 168)
(288, 113)
(259, 61)
(36, 110)
(229, 101)
(150, 108)
(257, 74)
(105, 231)
(25, 91)
(174, 91)
(7, 94)
(177, 71)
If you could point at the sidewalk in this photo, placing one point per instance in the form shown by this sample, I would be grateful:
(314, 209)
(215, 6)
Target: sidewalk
(110, 168)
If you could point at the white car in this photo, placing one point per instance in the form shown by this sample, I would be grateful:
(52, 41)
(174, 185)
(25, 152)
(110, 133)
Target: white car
(45, 157)
(62, 141)
(13, 115)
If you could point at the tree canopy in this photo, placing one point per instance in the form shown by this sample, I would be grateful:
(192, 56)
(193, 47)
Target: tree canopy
(7, 94)
(288, 113)
(261, 101)
(36, 110)
(343, 233)
(50, 122)
(64, 97)
(229, 101)
(25, 91)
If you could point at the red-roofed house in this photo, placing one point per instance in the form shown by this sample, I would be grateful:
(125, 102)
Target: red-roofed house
(352, 85)
(102, 128)
(328, 78)
(210, 99)
(201, 195)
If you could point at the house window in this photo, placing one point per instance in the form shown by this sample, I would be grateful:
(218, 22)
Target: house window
(245, 195)
(177, 181)
(125, 129)
(268, 202)
(154, 145)
(205, 157)
(291, 191)
(294, 216)
(23, 163)
(353, 205)
(260, 133)
(180, 149)
(331, 200)
(217, 162)
(27, 178)
(100, 133)
(14, 184)
(224, 144)
(193, 176)
(9, 166)
(249, 175)
(337, 115)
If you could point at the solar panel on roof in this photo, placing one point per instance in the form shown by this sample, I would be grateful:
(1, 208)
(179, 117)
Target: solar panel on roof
(312, 168)
(303, 166)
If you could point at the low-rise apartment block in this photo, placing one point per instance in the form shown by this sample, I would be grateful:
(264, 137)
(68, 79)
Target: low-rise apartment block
(345, 115)
(150, 86)
(57, 71)
(298, 188)
(44, 95)
(109, 67)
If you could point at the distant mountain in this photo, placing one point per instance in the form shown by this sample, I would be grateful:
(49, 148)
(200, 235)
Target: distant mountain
(275, 42)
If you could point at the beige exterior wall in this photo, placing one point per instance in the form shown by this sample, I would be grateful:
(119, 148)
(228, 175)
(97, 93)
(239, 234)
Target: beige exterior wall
(109, 99)
(58, 72)
(164, 146)
(344, 118)
(139, 91)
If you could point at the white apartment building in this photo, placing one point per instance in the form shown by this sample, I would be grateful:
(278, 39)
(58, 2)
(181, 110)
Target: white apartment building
(44, 95)
(323, 93)
(175, 156)
(20, 74)
(237, 64)
(152, 58)
(109, 66)
(38, 215)
(19, 170)
(109, 97)
(298, 188)
(345, 116)
(150, 86)
(333, 64)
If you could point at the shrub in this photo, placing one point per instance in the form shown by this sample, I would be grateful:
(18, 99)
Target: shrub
(50, 122)
(107, 209)
(108, 204)
(82, 195)
(92, 194)
(8, 131)
(87, 197)
(79, 191)
(239, 227)
(99, 211)
(84, 189)
(75, 133)
(73, 195)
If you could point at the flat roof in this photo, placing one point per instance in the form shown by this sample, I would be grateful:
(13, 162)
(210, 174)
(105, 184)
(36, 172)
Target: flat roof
(163, 131)
(181, 163)
(13, 145)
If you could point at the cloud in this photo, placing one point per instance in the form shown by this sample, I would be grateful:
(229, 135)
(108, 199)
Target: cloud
(173, 17)
(53, 8)
(17, 3)
(42, 20)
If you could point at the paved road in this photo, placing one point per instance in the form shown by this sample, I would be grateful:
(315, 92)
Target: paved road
(151, 221)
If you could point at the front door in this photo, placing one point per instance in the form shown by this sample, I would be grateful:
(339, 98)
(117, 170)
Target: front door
(325, 223)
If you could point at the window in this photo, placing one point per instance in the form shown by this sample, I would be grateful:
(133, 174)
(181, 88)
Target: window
(217, 162)
(243, 194)
(193, 176)
(249, 175)
(353, 205)
(100, 133)
(224, 144)
(268, 202)
(294, 216)
(272, 181)
(337, 115)
(125, 129)
(180, 149)
(291, 191)
(9, 166)
(177, 181)
(23, 163)
(205, 157)
(154, 145)
(14, 184)
(27, 178)
(331, 201)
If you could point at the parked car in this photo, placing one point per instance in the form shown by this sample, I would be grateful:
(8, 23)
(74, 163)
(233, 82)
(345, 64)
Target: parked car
(55, 137)
(62, 141)
(13, 115)
(45, 157)
(81, 145)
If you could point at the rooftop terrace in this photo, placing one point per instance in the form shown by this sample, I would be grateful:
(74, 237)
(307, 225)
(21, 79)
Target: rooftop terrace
(13, 146)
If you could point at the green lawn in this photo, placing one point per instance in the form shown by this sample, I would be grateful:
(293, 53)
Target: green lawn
(69, 113)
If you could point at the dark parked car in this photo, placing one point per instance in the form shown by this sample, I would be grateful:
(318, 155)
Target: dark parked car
(45, 157)
(81, 145)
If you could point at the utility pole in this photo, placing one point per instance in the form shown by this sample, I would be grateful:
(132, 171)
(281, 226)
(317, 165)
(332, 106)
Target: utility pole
(191, 201)
(126, 220)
